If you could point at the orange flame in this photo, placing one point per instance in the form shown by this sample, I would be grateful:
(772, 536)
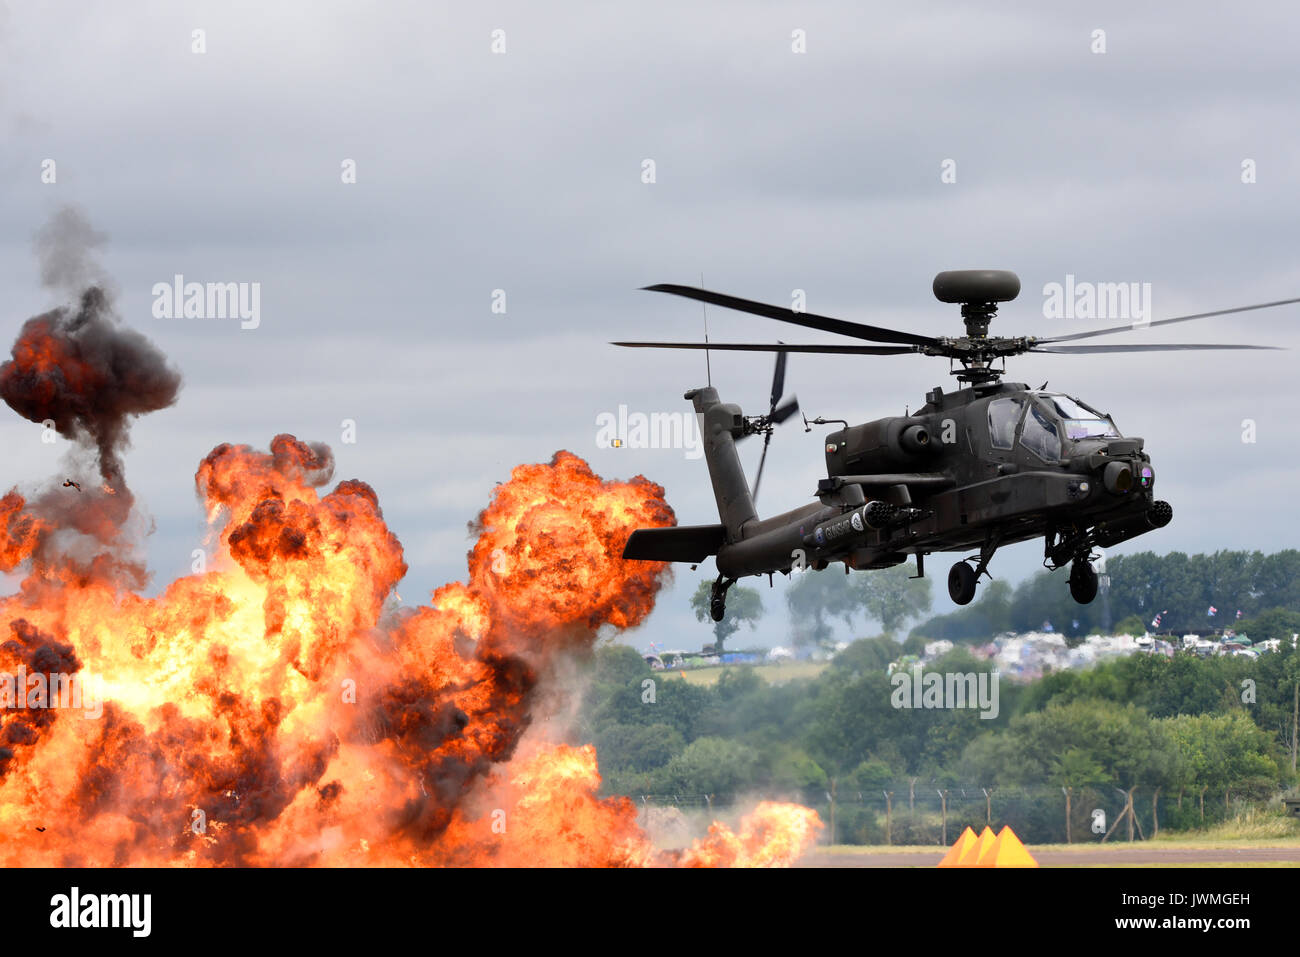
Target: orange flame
(20, 531)
(277, 707)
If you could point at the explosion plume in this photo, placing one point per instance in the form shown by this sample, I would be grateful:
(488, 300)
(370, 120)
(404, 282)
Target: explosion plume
(279, 706)
(273, 710)
(80, 371)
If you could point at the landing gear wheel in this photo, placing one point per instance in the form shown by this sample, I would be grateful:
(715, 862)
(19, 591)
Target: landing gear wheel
(717, 609)
(1083, 582)
(961, 583)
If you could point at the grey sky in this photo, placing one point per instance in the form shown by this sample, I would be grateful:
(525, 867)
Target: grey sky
(775, 171)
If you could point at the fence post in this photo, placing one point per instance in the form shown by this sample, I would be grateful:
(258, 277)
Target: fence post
(943, 797)
(1132, 816)
(889, 817)
(988, 808)
(1067, 791)
(830, 798)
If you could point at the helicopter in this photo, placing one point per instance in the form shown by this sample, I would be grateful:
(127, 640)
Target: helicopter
(989, 464)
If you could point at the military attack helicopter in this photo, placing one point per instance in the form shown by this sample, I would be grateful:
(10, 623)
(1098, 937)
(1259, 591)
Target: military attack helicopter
(990, 464)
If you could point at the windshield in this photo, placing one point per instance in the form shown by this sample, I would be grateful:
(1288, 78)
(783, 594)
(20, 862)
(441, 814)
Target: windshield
(1039, 435)
(1004, 416)
(1080, 421)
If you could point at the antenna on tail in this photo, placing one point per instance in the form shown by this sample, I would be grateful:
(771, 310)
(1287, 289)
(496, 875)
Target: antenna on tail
(704, 307)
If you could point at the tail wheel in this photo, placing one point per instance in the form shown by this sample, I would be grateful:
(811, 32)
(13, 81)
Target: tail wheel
(961, 583)
(1083, 582)
(718, 598)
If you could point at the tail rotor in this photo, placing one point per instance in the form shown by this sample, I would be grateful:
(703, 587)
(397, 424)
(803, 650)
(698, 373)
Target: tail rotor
(777, 413)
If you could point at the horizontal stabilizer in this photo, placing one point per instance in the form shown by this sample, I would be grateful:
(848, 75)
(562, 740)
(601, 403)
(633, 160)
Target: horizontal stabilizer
(686, 543)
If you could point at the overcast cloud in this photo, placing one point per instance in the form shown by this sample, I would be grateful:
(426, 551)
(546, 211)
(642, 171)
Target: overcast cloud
(775, 171)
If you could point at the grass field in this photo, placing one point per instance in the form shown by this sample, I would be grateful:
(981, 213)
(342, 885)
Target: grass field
(1137, 854)
(772, 674)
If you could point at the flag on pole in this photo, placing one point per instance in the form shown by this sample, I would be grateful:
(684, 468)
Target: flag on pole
(1155, 622)
(1213, 611)
(1239, 613)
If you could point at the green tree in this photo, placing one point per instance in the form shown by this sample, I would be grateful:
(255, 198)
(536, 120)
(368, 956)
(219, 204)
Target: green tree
(790, 769)
(1132, 625)
(868, 654)
(1076, 768)
(1273, 623)
(870, 775)
(815, 599)
(712, 766)
(1121, 745)
(989, 615)
(891, 595)
(1220, 751)
(637, 747)
(744, 607)
(736, 683)
(619, 664)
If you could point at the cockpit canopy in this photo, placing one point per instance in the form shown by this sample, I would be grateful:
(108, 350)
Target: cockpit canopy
(1081, 421)
(1044, 421)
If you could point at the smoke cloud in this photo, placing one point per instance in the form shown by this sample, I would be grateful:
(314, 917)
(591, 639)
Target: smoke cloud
(76, 367)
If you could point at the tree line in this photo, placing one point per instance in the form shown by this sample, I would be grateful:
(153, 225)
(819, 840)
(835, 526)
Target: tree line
(1180, 589)
(1168, 729)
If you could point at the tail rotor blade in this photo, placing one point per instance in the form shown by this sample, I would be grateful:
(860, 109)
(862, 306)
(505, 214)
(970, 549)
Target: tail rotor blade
(778, 379)
(762, 460)
(785, 410)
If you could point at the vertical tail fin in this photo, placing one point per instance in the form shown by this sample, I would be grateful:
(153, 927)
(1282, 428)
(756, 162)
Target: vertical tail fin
(720, 425)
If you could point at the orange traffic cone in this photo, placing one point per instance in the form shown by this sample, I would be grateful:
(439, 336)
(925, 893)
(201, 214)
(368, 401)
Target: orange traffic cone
(1006, 851)
(956, 852)
(988, 850)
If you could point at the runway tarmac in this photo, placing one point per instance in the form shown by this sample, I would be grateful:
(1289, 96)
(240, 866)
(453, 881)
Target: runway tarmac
(1114, 855)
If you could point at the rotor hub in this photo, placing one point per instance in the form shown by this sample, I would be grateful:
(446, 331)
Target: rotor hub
(977, 316)
(978, 291)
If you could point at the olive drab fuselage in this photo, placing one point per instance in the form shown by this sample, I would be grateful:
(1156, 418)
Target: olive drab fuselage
(990, 464)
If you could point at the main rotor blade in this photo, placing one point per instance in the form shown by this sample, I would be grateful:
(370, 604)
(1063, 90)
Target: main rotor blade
(1162, 347)
(772, 347)
(808, 320)
(1163, 322)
